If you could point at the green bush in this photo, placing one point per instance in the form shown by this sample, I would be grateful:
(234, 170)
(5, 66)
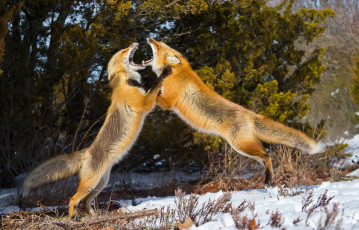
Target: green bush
(54, 89)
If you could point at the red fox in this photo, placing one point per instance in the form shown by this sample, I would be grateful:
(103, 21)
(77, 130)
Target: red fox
(129, 106)
(189, 97)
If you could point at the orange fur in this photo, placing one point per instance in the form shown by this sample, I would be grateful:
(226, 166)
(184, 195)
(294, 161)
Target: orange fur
(186, 94)
(129, 106)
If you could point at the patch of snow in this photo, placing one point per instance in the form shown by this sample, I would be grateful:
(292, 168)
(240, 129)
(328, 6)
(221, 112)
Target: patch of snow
(151, 180)
(7, 196)
(265, 201)
(6, 192)
(354, 173)
(335, 92)
(9, 209)
(352, 149)
(268, 201)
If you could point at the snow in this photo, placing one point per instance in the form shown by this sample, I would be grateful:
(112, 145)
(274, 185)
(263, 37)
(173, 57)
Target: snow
(288, 202)
(354, 173)
(4, 193)
(271, 200)
(334, 93)
(353, 151)
(150, 180)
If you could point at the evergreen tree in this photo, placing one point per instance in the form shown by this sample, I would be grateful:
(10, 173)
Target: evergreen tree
(252, 54)
(54, 89)
(6, 13)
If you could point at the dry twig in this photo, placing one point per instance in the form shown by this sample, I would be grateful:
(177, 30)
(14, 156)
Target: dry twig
(72, 225)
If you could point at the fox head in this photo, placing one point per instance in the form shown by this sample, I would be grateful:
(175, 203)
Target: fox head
(122, 68)
(163, 56)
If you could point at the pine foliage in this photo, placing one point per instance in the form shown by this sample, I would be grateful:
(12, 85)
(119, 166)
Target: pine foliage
(54, 54)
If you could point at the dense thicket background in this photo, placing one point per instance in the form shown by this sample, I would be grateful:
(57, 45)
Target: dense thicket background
(268, 56)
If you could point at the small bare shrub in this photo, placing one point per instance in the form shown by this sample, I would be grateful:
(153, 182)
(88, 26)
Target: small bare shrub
(241, 222)
(242, 206)
(323, 200)
(210, 208)
(296, 221)
(330, 218)
(276, 220)
(185, 207)
(232, 171)
(291, 191)
(165, 219)
(252, 206)
(307, 199)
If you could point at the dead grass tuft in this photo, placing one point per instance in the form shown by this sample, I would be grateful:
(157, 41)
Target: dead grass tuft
(276, 220)
(292, 168)
(330, 218)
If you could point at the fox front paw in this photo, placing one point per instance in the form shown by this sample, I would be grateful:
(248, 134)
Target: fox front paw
(167, 70)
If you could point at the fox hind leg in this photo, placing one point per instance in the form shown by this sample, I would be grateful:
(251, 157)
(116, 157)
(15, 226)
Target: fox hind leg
(86, 185)
(87, 201)
(253, 149)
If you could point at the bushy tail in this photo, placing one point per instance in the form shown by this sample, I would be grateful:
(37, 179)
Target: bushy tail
(271, 131)
(54, 169)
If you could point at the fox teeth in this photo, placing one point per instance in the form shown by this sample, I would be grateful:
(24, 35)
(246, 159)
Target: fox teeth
(146, 62)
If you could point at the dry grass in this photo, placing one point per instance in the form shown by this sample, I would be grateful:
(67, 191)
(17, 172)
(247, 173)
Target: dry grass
(276, 220)
(184, 209)
(292, 168)
(185, 213)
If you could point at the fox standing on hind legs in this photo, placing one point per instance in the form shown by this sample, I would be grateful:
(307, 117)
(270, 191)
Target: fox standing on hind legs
(129, 106)
(186, 94)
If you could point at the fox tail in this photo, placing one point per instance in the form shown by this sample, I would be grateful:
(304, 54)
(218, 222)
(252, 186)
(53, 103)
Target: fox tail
(274, 132)
(54, 169)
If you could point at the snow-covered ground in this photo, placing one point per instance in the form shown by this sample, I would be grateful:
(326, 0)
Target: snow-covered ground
(289, 203)
(353, 150)
(271, 200)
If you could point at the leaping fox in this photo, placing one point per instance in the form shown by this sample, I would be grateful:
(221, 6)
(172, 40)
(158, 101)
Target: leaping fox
(129, 106)
(207, 111)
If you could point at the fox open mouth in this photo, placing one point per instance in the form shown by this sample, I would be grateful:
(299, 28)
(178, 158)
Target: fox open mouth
(147, 62)
(132, 53)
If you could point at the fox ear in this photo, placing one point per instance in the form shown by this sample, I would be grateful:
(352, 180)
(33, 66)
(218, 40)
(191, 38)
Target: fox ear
(173, 59)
